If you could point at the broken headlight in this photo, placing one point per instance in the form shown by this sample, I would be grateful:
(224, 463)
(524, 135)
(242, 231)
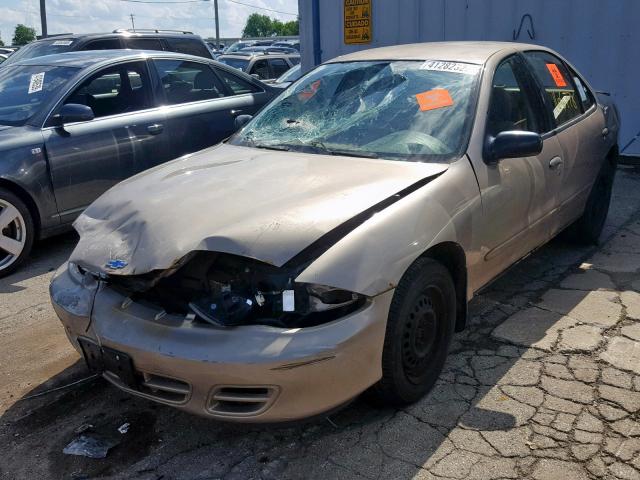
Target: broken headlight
(229, 290)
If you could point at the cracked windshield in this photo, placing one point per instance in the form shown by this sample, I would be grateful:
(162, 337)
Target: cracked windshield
(398, 110)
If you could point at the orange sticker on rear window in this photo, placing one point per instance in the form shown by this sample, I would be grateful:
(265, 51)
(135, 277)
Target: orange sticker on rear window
(432, 99)
(557, 76)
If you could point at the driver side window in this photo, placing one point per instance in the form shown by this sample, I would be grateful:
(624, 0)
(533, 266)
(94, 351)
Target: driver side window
(114, 90)
(510, 107)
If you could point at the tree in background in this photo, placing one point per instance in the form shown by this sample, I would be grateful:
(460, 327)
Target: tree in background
(1, 43)
(262, 26)
(23, 35)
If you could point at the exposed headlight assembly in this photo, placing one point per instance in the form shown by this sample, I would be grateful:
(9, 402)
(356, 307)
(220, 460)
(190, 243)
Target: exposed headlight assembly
(228, 290)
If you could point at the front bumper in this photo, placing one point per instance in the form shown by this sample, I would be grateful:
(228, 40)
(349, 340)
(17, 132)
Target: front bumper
(247, 373)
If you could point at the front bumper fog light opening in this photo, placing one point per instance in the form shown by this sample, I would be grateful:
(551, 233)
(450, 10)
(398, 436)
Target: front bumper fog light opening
(241, 401)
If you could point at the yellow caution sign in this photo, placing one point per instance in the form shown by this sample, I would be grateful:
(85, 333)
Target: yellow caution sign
(357, 21)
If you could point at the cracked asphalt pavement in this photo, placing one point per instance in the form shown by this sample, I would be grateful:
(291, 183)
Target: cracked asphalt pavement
(544, 384)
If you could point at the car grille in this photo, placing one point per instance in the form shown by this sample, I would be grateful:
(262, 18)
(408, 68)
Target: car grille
(241, 401)
(164, 388)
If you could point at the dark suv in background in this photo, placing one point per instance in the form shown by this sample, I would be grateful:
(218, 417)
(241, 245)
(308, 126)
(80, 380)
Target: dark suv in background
(164, 40)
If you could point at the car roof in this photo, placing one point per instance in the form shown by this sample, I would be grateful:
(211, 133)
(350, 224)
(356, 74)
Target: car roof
(121, 33)
(250, 55)
(88, 58)
(468, 52)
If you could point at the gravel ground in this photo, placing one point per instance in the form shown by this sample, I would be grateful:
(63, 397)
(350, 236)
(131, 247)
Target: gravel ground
(544, 384)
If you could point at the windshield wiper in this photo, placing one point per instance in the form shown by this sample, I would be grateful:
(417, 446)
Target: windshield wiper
(353, 153)
(266, 146)
(346, 153)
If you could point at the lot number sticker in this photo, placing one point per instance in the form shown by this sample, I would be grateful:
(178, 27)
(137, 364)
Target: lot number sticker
(433, 99)
(357, 21)
(36, 83)
(453, 67)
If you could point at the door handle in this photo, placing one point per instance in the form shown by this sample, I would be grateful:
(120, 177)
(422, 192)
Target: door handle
(155, 129)
(235, 113)
(555, 163)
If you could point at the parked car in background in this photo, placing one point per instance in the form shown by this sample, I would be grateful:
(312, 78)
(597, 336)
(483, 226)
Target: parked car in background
(164, 40)
(7, 50)
(269, 49)
(291, 44)
(332, 244)
(74, 124)
(287, 78)
(263, 65)
(3, 57)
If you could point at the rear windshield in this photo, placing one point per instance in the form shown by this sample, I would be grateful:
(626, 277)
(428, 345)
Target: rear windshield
(24, 90)
(239, 63)
(42, 48)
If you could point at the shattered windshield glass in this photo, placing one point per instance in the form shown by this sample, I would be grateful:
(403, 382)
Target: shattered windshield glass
(399, 110)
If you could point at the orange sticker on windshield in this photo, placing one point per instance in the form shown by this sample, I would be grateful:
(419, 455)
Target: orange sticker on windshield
(432, 99)
(557, 76)
(311, 90)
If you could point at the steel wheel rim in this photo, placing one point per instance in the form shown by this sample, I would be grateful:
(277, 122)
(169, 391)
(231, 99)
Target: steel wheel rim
(421, 334)
(13, 234)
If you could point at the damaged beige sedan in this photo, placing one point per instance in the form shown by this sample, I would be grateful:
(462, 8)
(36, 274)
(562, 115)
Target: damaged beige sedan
(332, 244)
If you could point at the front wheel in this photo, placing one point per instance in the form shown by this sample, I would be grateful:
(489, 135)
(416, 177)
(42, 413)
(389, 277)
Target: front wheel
(16, 232)
(419, 330)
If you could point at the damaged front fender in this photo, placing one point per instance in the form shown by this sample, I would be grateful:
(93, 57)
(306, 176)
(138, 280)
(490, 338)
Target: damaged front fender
(72, 295)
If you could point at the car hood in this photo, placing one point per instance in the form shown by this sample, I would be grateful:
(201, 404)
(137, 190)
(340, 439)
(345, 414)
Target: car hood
(261, 204)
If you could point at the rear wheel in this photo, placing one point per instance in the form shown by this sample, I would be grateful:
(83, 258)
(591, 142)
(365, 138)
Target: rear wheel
(419, 330)
(16, 232)
(587, 229)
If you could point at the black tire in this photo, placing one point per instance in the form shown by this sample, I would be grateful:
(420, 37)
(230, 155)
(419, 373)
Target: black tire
(420, 326)
(588, 228)
(23, 230)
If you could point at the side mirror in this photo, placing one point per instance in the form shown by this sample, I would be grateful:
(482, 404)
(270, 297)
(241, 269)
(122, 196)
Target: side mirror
(513, 144)
(73, 112)
(242, 120)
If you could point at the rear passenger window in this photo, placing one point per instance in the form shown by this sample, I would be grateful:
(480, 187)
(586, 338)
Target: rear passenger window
(144, 44)
(586, 97)
(185, 82)
(278, 66)
(106, 44)
(558, 85)
(237, 85)
(510, 108)
(261, 68)
(190, 46)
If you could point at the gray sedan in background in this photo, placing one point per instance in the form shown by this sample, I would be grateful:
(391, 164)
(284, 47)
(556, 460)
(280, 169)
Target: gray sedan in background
(332, 245)
(74, 124)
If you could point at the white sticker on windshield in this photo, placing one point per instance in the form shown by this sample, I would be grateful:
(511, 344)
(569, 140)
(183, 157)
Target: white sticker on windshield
(453, 67)
(64, 43)
(36, 83)
(581, 90)
(562, 104)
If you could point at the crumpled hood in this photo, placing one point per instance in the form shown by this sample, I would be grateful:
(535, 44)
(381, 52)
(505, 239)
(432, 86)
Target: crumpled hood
(256, 203)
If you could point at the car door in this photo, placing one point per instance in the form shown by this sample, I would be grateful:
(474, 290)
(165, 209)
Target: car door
(278, 66)
(260, 68)
(578, 125)
(201, 105)
(125, 137)
(518, 195)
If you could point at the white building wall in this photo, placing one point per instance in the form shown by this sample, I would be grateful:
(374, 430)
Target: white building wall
(600, 37)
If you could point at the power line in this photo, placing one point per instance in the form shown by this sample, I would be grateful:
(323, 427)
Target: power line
(156, 2)
(263, 8)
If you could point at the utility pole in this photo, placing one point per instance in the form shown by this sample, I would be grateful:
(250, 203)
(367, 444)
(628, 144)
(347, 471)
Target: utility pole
(215, 7)
(133, 25)
(43, 18)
